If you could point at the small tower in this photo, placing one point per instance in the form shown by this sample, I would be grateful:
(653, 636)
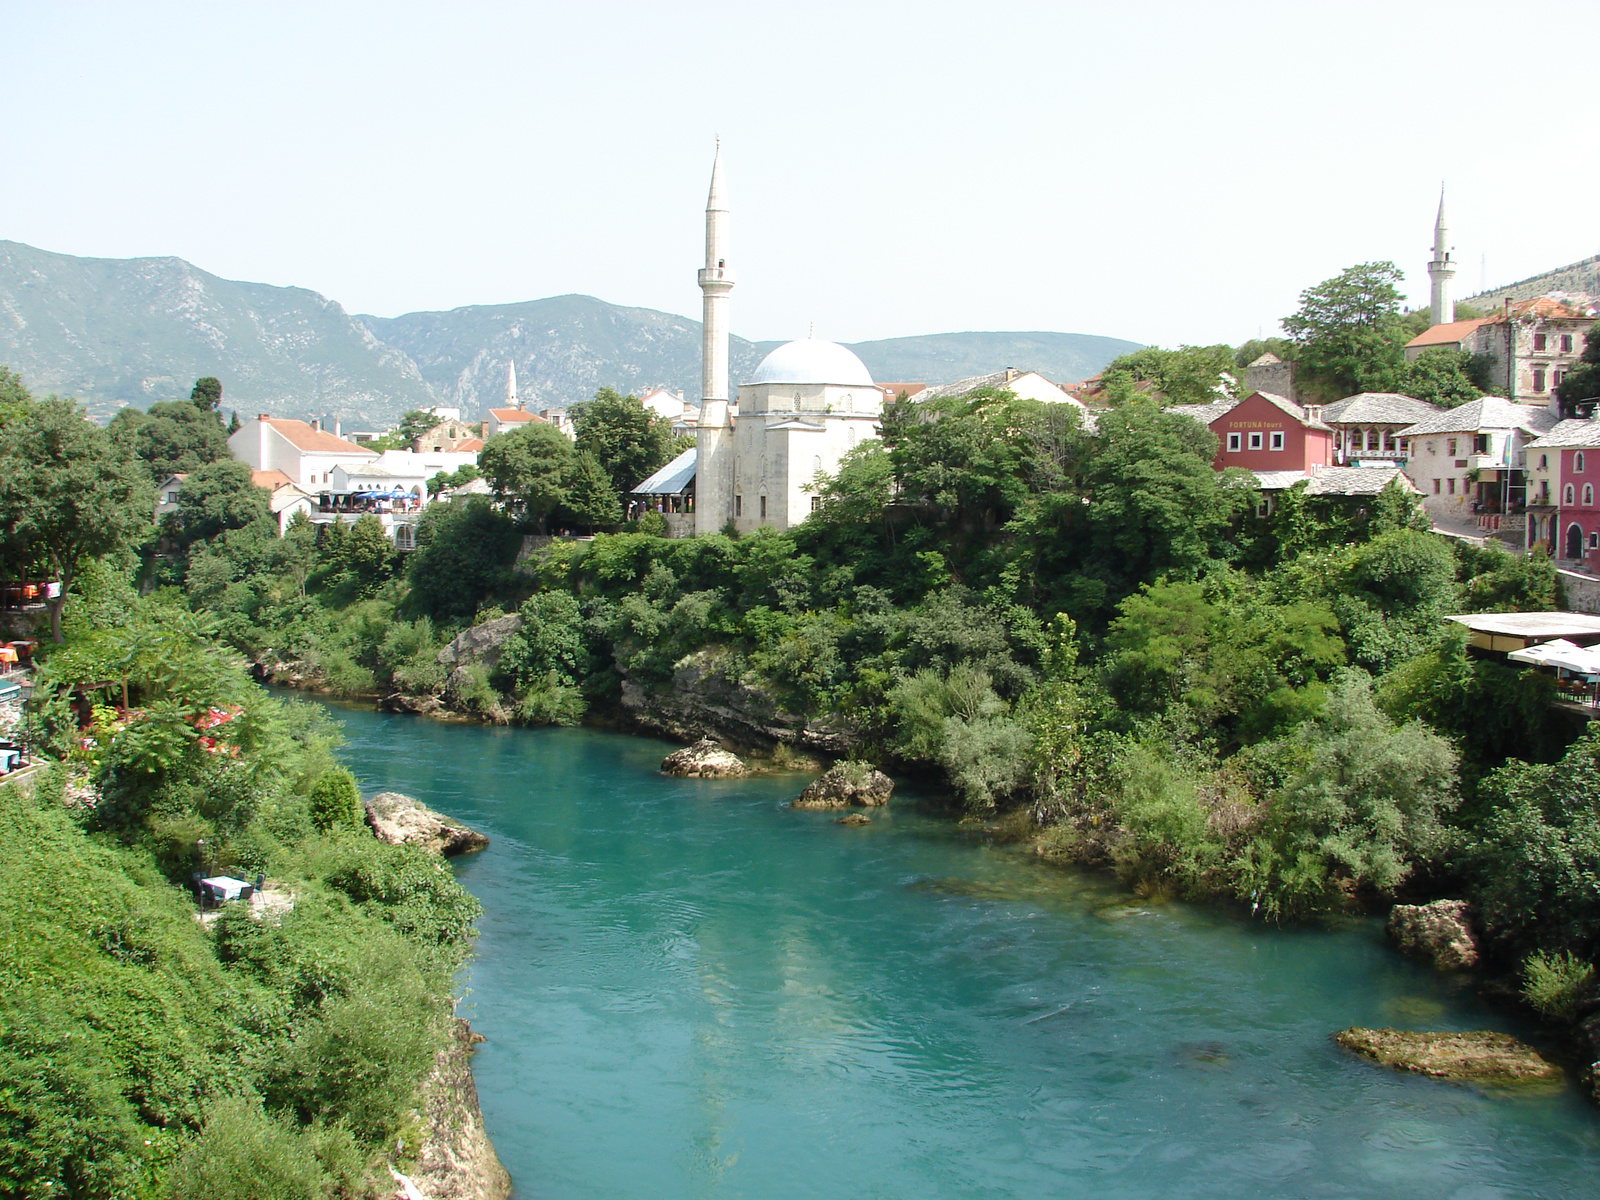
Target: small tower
(714, 434)
(1441, 270)
(511, 385)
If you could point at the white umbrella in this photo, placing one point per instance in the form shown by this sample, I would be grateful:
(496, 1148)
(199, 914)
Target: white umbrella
(1539, 655)
(1583, 660)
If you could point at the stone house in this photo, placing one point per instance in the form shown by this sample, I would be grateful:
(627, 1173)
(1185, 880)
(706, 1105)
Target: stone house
(1531, 344)
(447, 435)
(306, 455)
(1471, 459)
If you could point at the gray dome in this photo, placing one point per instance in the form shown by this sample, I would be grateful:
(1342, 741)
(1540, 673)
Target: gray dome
(811, 361)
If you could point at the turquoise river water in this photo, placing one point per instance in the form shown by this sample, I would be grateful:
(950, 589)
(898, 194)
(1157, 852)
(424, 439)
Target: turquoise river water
(690, 990)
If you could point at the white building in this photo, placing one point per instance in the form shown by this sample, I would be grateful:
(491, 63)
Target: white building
(807, 404)
(306, 455)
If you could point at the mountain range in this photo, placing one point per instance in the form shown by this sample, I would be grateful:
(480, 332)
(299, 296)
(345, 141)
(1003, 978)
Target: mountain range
(1579, 277)
(133, 331)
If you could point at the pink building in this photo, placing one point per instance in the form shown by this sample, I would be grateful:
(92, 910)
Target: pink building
(1563, 510)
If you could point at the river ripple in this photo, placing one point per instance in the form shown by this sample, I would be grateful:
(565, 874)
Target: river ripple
(690, 990)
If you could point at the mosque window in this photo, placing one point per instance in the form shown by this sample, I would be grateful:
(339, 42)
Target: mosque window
(738, 506)
(849, 403)
(763, 508)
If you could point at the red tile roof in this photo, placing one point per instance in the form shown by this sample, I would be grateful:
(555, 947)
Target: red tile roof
(271, 480)
(303, 437)
(510, 416)
(470, 444)
(1539, 306)
(1443, 335)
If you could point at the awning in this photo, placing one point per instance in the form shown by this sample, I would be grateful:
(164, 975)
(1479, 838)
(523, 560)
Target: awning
(672, 479)
(1538, 654)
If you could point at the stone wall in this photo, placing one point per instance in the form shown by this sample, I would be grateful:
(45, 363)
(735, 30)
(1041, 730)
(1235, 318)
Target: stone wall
(1583, 592)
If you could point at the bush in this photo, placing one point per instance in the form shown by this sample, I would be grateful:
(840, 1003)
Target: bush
(335, 801)
(244, 1154)
(1554, 983)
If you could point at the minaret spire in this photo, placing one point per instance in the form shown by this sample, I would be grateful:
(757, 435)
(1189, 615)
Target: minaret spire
(714, 502)
(511, 385)
(1441, 269)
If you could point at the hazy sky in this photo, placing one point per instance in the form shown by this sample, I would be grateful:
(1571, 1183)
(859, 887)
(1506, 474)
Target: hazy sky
(1165, 172)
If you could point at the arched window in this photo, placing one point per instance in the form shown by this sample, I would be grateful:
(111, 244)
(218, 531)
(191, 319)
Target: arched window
(851, 438)
(1574, 542)
(816, 464)
(1566, 494)
(1588, 495)
(1577, 462)
(796, 403)
(848, 402)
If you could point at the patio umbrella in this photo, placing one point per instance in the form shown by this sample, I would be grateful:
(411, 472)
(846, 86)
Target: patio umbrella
(1581, 659)
(1539, 655)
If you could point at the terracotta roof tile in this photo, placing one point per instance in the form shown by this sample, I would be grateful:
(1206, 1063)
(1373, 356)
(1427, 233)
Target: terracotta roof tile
(271, 480)
(1444, 335)
(303, 437)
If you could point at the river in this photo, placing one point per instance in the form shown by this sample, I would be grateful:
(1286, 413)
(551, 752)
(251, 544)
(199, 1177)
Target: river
(690, 990)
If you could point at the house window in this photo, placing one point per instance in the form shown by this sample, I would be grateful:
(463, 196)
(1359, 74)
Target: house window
(816, 503)
(1233, 443)
(1566, 495)
(1277, 439)
(1435, 487)
(1430, 447)
(1538, 381)
(763, 508)
(1452, 485)
(1544, 462)
(1588, 495)
(1557, 376)
(1577, 462)
(1255, 441)
(1538, 341)
(1566, 343)
(1452, 444)
(1594, 541)
(1481, 444)
(738, 506)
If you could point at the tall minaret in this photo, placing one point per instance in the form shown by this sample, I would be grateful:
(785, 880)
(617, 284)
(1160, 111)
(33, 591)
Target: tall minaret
(714, 434)
(1441, 270)
(511, 385)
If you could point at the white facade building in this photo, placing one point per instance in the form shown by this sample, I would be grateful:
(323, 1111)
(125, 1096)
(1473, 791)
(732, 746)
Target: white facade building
(1470, 460)
(808, 403)
(306, 455)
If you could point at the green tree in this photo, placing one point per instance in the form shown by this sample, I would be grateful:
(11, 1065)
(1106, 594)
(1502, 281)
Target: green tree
(590, 498)
(368, 554)
(217, 497)
(529, 469)
(1442, 377)
(1349, 334)
(173, 437)
(14, 396)
(207, 394)
(68, 494)
(1187, 375)
(464, 548)
(630, 442)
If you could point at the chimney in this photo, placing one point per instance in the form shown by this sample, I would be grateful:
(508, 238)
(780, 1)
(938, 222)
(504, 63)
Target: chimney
(261, 443)
(1313, 412)
(1011, 373)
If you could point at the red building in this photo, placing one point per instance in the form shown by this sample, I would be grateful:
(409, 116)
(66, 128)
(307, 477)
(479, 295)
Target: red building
(1264, 432)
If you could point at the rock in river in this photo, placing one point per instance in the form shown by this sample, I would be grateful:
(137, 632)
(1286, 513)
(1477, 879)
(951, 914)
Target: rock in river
(401, 820)
(1481, 1056)
(845, 784)
(703, 760)
(1440, 932)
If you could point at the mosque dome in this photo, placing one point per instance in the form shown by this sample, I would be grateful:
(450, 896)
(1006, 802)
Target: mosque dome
(811, 361)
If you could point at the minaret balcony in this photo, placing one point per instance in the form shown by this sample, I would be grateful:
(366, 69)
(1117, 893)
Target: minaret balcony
(713, 276)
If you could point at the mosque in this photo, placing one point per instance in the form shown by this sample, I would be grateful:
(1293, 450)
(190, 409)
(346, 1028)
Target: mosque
(806, 405)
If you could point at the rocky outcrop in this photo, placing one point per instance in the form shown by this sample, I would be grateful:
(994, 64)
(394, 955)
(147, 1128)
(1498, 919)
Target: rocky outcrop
(854, 819)
(709, 696)
(846, 785)
(1481, 1056)
(404, 821)
(703, 760)
(479, 646)
(456, 1161)
(421, 706)
(1440, 932)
